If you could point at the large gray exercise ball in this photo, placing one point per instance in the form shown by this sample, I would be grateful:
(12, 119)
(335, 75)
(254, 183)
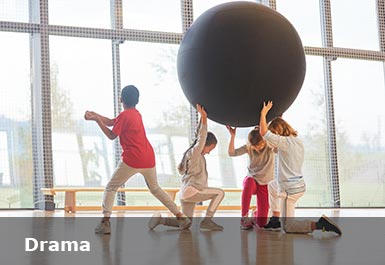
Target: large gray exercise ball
(237, 55)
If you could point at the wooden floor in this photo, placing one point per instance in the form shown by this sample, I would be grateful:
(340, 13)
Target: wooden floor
(302, 212)
(362, 242)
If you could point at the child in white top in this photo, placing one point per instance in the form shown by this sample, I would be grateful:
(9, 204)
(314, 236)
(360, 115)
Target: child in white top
(290, 185)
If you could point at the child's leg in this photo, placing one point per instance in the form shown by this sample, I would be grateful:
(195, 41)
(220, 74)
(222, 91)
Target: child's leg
(291, 201)
(275, 203)
(298, 226)
(249, 188)
(219, 194)
(214, 194)
(274, 198)
(121, 174)
(290, 225)
(152, 184)
(262, 204)
(187, 208)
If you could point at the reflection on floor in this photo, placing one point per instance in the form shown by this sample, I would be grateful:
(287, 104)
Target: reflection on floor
(302, 212)
(362, 242)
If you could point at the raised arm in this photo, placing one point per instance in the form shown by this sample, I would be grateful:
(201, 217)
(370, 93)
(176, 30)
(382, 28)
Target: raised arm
(262, 121)
(203, 113)
(202, 133)
(232, 131)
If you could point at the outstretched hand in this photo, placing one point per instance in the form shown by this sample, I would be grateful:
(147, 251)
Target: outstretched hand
(266, 107)
(201, 111)
(232, 130)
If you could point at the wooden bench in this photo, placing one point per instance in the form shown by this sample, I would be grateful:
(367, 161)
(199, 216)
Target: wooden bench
(70, 199)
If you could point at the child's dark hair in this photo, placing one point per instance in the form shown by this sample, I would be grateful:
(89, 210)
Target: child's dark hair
(210, 139)
(130, 96)
(254, 137)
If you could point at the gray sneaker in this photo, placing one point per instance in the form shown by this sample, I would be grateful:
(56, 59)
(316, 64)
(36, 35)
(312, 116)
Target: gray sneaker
(184, 222)
(103, 228)
(209, 224)
(154, 221)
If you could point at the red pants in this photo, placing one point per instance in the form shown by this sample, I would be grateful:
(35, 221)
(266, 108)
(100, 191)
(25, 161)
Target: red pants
(251, 187)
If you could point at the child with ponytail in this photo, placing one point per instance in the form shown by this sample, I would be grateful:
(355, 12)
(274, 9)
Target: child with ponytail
(195, 180)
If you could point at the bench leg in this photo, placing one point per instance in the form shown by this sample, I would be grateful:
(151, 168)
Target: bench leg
(70, 202)
(172, 195)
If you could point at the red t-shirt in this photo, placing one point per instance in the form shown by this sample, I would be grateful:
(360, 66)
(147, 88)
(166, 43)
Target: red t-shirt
(137, 150)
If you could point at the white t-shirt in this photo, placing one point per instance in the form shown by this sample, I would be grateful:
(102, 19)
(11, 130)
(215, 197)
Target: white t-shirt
(290, 160)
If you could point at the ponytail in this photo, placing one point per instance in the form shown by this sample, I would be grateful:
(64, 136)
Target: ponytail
(182, 166)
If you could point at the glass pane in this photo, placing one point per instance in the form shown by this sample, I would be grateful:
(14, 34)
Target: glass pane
(84, 13)
(359, 96)
(16, 168)
(200, 6)
(355, 24)
(306, 23)
(226, 171)
(152, 15)
(14, 10)
(151, 68)
(80, 81)
(307, 115)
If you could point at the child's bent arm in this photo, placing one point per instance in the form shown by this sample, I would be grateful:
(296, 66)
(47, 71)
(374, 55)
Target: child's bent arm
(91, 115)
(107, 121)
(232, 132)
(106, 130)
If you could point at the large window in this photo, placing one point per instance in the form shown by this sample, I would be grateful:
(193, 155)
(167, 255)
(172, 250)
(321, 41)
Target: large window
(14, 10)
(82, 154)
(153, 15)
(359, 94)
(201, 6)
(355, 24)
(307, 115)
(306, 23)
(84, 13)
(89, 61)
(165, 110)
(16, 168)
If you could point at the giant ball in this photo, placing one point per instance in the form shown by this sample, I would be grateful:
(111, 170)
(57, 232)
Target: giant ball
(237, 55)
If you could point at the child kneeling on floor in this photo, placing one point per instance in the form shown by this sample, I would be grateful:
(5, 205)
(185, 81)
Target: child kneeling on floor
(194, 180)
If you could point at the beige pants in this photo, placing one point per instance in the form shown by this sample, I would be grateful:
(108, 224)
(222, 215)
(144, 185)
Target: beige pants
(122, 173)
(283, 202)
(216, 196)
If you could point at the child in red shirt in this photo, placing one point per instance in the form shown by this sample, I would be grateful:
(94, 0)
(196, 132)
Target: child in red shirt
(137, 157)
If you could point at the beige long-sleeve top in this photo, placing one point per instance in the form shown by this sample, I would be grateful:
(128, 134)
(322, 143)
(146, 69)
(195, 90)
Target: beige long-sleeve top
(261, 164)
(195, 171)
